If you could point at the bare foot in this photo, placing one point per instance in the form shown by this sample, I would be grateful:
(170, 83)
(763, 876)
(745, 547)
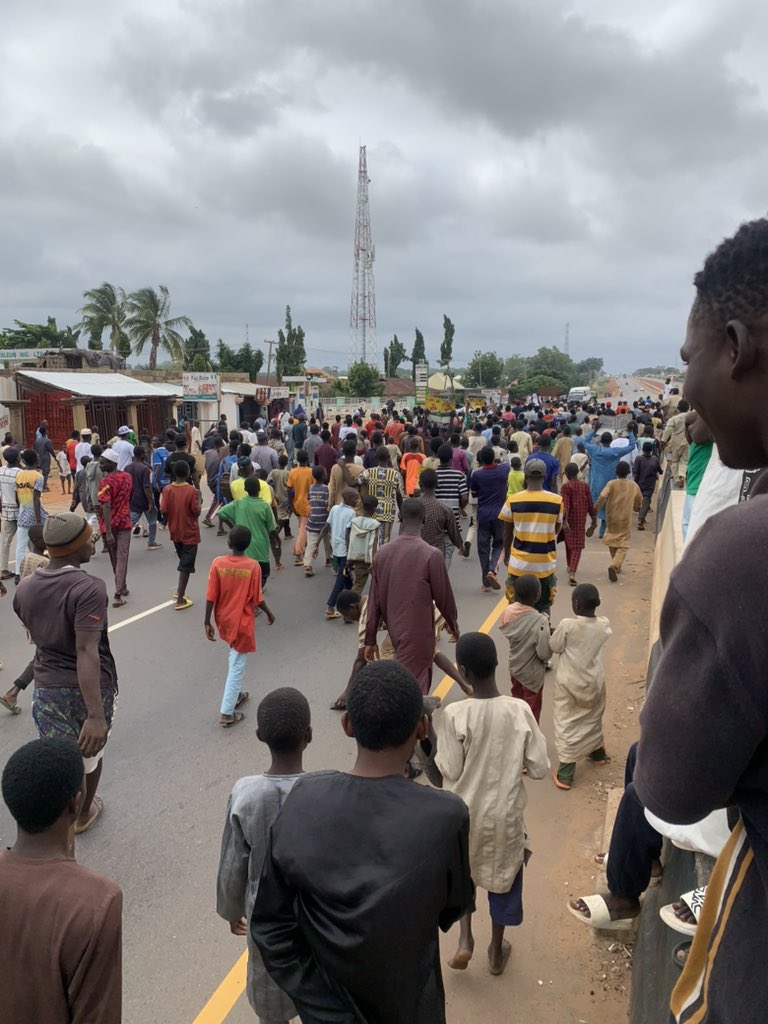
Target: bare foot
(461, 958)
(498, 958)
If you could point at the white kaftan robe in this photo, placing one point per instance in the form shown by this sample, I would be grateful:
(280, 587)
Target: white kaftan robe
(482, 748)
(579, 694)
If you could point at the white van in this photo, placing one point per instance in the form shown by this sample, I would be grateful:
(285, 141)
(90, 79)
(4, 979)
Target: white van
(579, 395)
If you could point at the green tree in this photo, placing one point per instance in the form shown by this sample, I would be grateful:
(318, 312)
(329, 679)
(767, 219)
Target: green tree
(197, 350)
(290, 354)
(419, 351)
(394, 355)
(536, 381)
(485, 370)
(249, 361)
(149, 320)
(363, 380)
(47, 335)
(551, 362)
(105, 310)
(446, 348)
(515, 368)
(226, 358)
(588, 369)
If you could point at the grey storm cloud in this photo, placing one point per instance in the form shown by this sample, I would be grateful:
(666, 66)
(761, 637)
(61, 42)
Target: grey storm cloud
(530, 163)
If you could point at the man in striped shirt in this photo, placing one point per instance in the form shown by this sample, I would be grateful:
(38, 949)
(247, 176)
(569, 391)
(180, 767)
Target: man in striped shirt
(532, 518)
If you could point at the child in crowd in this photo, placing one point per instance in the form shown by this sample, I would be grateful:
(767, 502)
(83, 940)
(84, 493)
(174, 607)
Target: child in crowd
(516, 479)
(278, 480)
(484, 745)
(233, 595)
(284, 725)
(318, 517)
(65, 472)
(34, 558)
(337, 525)
(363, 543)
(577, 505)
(527, 631)
(579, 699)
(180, 503)
(410, 465)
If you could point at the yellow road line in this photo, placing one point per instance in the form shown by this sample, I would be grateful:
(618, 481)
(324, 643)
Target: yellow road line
(445, 684)
(219, 1006)
(226, 995)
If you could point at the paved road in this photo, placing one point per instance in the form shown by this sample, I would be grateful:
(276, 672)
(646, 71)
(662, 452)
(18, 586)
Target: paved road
(169, 767)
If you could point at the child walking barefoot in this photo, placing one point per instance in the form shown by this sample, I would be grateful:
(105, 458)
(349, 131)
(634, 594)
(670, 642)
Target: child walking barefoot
(483, 745)
(579, 696)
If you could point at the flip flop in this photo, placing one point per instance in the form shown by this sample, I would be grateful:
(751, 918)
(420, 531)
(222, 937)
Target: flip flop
(242, 698)
(97, 806)
(493, 583)
(590, 530)
(694, 900)
(182, 607)
(600, 916)
(558, 783)
(118, 602)
(15, 709)
(677, 959)
(227, 723)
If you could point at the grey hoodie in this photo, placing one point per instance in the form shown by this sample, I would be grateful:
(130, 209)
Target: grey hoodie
(528, 633)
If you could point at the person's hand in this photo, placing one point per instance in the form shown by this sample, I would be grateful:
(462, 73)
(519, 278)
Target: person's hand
(453, 637)
(270, 619)
(93, 736)
(315, 551)
(566, 527)
(239, 927)
(210, 632)
(109, 539)
(3, 590)
(369, 652)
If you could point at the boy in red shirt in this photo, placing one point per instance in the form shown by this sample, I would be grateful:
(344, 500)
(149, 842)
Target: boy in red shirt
(234, 593)
(180, 503)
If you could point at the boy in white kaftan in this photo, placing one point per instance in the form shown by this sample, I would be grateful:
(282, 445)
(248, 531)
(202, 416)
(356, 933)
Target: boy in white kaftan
(579, 692)
(483, 745)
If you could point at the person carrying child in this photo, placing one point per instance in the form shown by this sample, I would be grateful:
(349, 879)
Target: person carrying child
(484, 744)
(283, 719)
(363, 543)
(527, 631)
(579, 697)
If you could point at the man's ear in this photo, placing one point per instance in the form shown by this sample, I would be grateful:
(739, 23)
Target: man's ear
(742, 346)
(346, 725)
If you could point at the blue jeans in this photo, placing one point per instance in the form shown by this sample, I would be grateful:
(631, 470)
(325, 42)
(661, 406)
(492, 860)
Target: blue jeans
(151, 518)
(342, 582)
(234, 683)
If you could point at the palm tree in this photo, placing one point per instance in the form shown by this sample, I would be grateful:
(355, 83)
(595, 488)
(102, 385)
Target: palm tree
(148, 321)
(104, 309)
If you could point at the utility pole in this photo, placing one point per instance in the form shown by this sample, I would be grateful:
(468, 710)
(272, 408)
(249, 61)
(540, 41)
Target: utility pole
(362, 315)
(269, 358)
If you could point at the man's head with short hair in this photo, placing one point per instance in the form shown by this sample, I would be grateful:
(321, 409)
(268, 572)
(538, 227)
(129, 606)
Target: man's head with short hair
(42, 782)
(139, 453)
(412, 510)
(428, 481)
(181, 442)
(384, 708)
(622, 471)
(683, 406)
(11, 456)
(571, 470)
(325, 436)
(253, 486)
(302, 457)
(29, 458)
(180, 470)
(239, 539)
(370, 504)
(413, 444)
(515, 463)
(349, 496)
(527, 589)
(445, 454)
(585, 599)
(282, 460)
(349, 448)
(318, 474)
(647, 447)
(485, 456)
(605, 439)
(348, 605)
(383, 457)
(283, 721)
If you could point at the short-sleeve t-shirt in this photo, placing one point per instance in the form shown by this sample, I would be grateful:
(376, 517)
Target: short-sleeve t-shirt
(339, 519)
(181, 504)
(451, 488)
(234, 586)
(411, 466)
(159, 476)
(300, 479)
(139, 474)
(27, 482)
(53, 605)
(257, 516)
(318, 507)
(489, 485)
(535, 515)
(237, 489)
(115, 490)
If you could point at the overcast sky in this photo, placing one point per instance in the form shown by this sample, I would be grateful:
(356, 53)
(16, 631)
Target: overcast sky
(531, 164)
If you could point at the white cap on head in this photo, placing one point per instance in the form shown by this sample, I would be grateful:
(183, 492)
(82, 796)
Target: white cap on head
(110, 455)
(123, 430)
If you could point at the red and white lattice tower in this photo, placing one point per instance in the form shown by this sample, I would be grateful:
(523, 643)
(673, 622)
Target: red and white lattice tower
(362, 316)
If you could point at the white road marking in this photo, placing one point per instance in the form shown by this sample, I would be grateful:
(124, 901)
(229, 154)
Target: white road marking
(141, 615)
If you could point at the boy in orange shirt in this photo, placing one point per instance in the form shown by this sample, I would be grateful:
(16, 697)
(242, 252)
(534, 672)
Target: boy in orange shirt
(410, 465)
(298, 483)
(234, 593)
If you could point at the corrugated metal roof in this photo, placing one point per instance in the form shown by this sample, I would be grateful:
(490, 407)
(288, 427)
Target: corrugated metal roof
(236, 387)
(101, 385)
